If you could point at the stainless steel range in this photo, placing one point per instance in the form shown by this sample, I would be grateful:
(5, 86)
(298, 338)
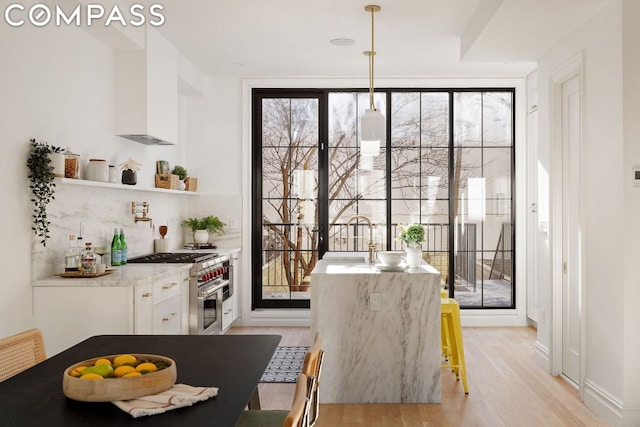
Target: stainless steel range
(210, 283)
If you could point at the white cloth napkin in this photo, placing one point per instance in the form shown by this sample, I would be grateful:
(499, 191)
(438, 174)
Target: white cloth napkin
(178, 396)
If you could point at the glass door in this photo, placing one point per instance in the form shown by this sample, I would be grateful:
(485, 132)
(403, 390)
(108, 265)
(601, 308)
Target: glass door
(285, 173)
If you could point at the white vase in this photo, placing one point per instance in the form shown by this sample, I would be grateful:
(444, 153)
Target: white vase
(181, 185)
(201, 236)
(414, 256)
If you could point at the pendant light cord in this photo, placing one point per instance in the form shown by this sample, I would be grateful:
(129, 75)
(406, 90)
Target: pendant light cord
(372, 52)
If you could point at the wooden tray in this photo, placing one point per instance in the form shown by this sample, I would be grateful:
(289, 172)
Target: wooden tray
(79, 275)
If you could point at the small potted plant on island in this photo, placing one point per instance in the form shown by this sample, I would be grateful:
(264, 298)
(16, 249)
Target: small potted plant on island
(413, 236)
(202, 227)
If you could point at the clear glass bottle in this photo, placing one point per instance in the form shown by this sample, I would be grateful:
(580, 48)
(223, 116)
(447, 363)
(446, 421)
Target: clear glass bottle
(123, 248)
(72, 255)
(116, 258)
(89, 265)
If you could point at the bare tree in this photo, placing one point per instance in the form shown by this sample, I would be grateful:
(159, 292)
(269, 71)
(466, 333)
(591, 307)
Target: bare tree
(419, 148)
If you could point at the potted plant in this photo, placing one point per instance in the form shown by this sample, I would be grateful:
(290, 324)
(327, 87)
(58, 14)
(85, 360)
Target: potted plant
(129, 169)
(202, 227)
(41, 174)
(182, 174)
(413, 236)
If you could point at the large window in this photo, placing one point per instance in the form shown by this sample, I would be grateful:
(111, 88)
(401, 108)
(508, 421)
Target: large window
(447, 164)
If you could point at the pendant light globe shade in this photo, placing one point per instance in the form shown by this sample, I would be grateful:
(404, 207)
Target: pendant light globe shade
(373, 130)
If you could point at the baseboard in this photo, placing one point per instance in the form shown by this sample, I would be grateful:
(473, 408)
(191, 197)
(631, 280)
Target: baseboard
(632, 415)
(302, 317)
(541, 355)
(602, 403)
(471, 317)
(275, 317)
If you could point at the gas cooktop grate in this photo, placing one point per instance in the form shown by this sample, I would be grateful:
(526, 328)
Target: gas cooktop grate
(172, 257)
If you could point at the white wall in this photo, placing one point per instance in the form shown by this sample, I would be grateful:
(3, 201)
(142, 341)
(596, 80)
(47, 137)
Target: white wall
(215, 136)
(605, 226)
(631, 242)
(57, 84)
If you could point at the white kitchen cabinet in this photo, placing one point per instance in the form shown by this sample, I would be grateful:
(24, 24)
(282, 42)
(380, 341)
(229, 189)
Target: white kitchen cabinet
(227, 313)
(143, 309)
(68, 314)
(237, 293)
(184, 302)
(166, 316)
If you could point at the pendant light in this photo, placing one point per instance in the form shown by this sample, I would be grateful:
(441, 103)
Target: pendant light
(372, 123)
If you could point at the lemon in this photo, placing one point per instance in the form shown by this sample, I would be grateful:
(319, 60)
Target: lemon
(132, 374)
(91, 376)
(120, 371)
(102, 362)
(76, 372)
(146, 367)
(125, 359)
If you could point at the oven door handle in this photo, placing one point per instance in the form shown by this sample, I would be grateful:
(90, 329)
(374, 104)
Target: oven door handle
(209, 293)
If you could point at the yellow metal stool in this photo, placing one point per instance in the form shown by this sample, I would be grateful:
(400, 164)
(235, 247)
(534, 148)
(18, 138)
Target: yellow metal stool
(444, 334)
(452, 346)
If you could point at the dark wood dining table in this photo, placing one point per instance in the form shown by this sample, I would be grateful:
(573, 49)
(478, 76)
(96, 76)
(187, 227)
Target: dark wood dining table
(233, 363)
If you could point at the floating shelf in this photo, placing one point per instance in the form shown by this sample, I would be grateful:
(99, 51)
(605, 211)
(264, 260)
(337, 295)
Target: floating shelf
(87, 183)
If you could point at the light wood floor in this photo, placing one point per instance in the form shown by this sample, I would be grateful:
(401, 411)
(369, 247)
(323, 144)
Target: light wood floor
(506, 388)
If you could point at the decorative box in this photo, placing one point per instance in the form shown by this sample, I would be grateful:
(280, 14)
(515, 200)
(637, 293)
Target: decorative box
(167, 180)
(191, 184)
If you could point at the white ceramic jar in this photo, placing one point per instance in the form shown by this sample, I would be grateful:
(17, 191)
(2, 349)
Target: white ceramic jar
(98, 170)
(57, 162)
(113, 174)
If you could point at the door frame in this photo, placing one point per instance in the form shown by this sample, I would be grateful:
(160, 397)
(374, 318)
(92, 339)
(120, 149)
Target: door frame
(570, 69)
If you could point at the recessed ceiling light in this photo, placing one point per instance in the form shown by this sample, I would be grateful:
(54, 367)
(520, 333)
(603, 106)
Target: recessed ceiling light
(342, 42)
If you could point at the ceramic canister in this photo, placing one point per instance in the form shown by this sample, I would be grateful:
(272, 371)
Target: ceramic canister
(57, 162)
(98, 170)
(113, 174)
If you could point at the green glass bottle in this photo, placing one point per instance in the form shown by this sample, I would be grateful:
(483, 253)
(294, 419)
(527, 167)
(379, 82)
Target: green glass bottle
(123, 248)
(115, 248)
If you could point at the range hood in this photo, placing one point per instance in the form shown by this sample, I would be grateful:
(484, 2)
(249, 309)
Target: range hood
(146, 83)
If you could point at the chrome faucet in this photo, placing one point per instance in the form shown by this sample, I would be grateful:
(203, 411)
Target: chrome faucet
(372, 245)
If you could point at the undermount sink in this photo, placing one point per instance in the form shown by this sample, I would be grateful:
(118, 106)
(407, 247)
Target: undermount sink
(355, 259)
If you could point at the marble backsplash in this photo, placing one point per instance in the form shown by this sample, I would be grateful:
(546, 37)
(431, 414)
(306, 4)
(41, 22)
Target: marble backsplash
(100, 210)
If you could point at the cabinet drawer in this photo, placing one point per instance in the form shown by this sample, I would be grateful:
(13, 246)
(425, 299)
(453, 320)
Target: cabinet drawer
(166, 288)
(227, 313)
(167, 316)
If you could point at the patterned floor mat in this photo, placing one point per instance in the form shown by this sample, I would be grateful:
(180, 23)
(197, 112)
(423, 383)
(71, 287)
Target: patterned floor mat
(285, 365)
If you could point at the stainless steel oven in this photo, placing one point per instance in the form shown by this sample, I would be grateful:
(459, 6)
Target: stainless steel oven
(205, 317)
(210, 282)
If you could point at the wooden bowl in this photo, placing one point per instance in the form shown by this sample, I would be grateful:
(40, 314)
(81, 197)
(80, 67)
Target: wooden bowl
(110, 389)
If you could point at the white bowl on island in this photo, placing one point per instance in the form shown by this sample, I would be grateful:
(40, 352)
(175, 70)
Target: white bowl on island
(390, 258)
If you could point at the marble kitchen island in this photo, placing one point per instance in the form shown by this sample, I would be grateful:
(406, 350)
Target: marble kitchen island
(380, 332)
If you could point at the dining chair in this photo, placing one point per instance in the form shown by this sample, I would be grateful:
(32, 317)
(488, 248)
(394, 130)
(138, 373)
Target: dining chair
(312, 367)
(297, 416)
(21, 351)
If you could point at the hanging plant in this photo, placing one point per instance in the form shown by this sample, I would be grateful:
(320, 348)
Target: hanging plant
(41, 183)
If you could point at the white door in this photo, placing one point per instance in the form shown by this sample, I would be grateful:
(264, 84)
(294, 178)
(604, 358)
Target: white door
(571, 256)
(532, 216)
